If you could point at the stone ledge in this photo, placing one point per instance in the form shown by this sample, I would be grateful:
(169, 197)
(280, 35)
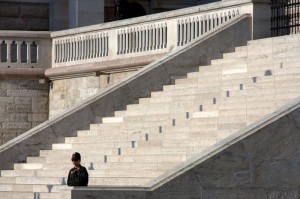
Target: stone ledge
(110, 66)
(28, 34)
(22, 73)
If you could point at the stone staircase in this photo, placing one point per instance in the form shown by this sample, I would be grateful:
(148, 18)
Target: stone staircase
(149, 138)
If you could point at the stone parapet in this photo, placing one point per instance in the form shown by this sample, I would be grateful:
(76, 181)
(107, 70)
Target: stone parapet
(152, 34)
(119, 40)
(25, 49)
(22, 73)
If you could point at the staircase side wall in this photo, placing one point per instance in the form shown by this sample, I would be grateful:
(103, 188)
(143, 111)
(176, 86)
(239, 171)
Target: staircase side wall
(68, 92)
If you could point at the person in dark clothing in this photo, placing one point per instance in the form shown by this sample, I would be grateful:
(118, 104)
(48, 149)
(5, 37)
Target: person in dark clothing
(78, 175)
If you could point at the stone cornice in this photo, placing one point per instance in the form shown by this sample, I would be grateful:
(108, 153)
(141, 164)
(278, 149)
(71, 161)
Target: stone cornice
(110, 66)
(82, 70)
(22, 73)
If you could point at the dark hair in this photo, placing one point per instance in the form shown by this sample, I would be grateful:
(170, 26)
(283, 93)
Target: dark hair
(76, 156)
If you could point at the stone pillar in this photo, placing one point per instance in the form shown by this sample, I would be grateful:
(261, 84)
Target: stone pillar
(85, 12)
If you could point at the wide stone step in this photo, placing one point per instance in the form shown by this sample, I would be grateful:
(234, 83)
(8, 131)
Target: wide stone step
(69, 152)
(112, 119)
(34, 188)
(28, 166)
(119, 181)
(260, 59)
(31, 180)
(92, 181)
(104, 165)
(104, 172)
(253, 52)
(95, 145)
(92, 162)
(29, 195)
(279, 39)
(241, 52)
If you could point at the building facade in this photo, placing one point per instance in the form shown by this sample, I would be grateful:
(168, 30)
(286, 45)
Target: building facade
(53, 15)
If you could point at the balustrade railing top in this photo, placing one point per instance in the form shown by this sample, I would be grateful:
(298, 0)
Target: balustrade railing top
(142, 36)
(148, 35)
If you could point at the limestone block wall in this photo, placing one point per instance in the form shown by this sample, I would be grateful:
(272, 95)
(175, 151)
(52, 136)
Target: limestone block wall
(66, 93)
(24, 15)
(23, 105)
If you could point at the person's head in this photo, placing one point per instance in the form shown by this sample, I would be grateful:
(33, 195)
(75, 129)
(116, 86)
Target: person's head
(76, 158)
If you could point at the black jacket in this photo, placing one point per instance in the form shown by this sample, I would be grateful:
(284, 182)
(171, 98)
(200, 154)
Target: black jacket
(79, 178)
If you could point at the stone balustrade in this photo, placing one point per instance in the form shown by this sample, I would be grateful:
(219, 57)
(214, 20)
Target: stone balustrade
(24, 49)
(137, 39)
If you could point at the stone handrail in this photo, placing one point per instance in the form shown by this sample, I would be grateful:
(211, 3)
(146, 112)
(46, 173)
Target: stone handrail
(25, 49)
(149, 35)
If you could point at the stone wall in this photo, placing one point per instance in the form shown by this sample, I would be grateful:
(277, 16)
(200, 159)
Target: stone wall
(24, 16)
(23, 105)
(69, 92)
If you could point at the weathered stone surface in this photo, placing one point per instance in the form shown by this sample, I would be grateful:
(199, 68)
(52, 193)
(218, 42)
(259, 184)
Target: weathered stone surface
(37, 118)
(23, 100)
(212, 193)
(18, 109)
(20, 117)
(6, 100)
(3, 93)
(286, 194)
(16, 125)
(24, 93)
(24, 104)
(40, 104)
(69, 92)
